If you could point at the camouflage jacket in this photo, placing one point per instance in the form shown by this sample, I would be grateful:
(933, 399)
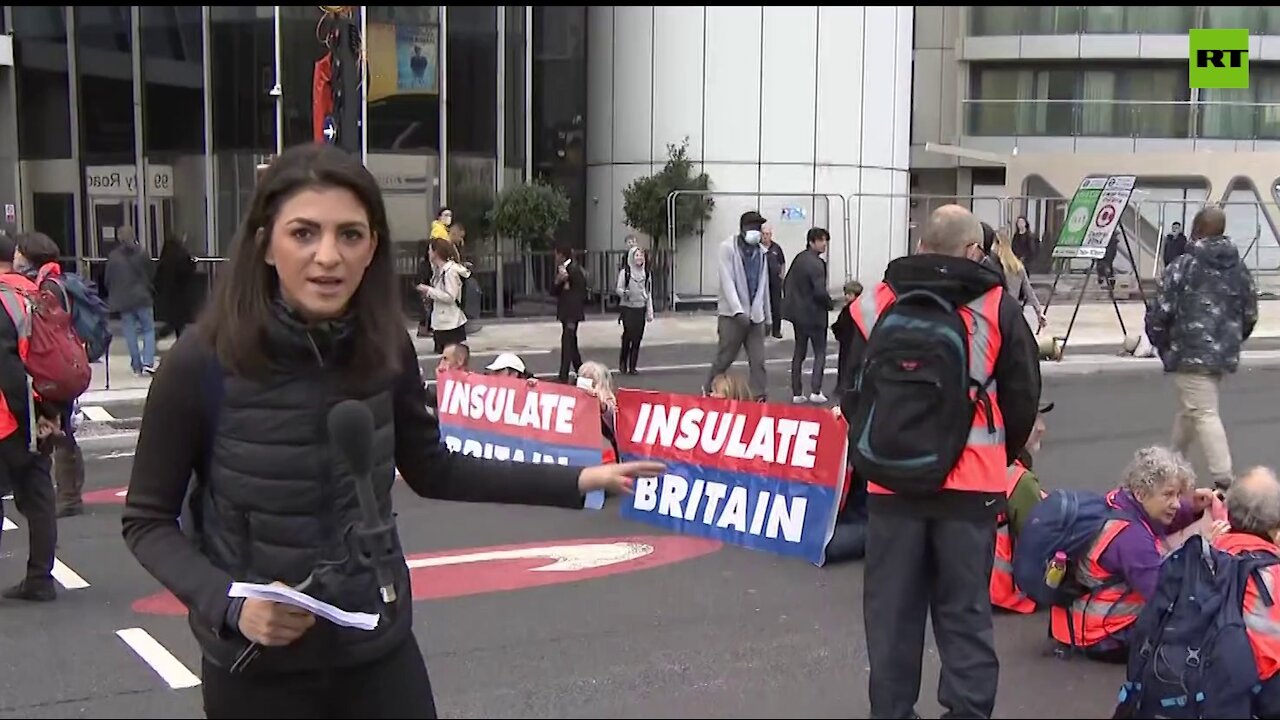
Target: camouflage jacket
(1206, 307)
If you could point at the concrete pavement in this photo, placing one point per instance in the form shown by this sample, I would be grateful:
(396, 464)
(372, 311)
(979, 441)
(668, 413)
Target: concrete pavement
(733, 633)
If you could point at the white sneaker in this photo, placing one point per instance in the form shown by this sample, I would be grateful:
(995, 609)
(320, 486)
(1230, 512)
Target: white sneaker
(817, 398)
(799, 400)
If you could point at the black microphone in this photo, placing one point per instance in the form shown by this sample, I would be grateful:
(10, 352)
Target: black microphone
(351, 429)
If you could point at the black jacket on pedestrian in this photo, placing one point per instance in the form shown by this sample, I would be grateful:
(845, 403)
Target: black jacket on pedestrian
(571, 300)
(1017, 371)
(273, 499)
(806, 301)
(130, 278)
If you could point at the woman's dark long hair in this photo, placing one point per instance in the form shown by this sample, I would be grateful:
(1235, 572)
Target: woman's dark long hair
(235, 321)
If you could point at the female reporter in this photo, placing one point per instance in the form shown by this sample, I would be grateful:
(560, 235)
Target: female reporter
(305, 316)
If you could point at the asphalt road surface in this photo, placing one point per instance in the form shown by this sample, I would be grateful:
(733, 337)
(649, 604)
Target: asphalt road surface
(726, 632)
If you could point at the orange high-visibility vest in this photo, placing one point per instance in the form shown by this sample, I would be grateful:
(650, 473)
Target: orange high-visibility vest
(1004, 591)
(1261, 623)
(983, 462)
(1102, 611)
(14, 291)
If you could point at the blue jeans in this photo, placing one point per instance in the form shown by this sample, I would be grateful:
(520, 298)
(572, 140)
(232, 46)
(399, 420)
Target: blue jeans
(141, 321)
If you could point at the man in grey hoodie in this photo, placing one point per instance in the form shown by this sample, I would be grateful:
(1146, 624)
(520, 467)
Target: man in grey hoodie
(744, 308)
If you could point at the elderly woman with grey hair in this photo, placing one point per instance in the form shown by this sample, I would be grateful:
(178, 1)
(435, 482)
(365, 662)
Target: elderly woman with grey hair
(1157, 496)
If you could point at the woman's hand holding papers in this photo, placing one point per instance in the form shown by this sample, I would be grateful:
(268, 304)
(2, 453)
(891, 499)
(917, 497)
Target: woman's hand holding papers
(273, 624)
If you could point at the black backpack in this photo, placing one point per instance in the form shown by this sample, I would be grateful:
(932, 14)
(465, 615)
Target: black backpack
(914, 396)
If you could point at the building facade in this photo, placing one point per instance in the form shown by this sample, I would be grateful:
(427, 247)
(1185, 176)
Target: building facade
(800, 112)
(158, 116)
(1025, 102)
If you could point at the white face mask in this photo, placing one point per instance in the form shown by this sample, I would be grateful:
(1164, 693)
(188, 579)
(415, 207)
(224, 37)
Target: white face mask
(751, 237)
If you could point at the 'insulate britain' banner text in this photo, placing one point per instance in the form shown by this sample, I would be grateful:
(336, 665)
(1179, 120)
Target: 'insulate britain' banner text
(766, 477)
(506, 418)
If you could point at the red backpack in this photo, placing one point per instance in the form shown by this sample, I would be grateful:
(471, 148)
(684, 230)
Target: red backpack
(47, 343)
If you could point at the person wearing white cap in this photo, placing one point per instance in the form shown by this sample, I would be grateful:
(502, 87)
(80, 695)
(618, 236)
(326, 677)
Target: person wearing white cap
(508, 364)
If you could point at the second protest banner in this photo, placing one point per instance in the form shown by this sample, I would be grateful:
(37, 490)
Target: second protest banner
(766, 477)
(507, 418)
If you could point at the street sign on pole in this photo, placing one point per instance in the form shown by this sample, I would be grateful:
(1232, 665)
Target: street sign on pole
(1093, 216)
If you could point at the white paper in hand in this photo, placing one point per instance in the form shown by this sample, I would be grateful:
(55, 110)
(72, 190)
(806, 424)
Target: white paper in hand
(289, 596)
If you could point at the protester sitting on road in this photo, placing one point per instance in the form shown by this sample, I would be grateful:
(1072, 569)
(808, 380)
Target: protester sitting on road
(1253, 512)
(298, 324)
(1122, 567)
(454, 357)
(730, 386)
(1023, 495)
(509, 365)
(602, 388)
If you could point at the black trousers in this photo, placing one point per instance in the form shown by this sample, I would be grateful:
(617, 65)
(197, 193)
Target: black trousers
(806, 337)
(396, 686)
(27, 475)
(916, 567)
(775, 302)
(570, 358)
(633, 321)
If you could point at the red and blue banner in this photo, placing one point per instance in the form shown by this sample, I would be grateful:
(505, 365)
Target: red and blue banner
(506, 418)
(762, 476)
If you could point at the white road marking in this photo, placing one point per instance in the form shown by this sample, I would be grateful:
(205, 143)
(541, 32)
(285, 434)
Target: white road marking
(115, 455)
(169, 668)
(96, 413)
(67, 577)
(567, 558)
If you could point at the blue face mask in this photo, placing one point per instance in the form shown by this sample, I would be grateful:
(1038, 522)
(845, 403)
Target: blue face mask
(751, 237)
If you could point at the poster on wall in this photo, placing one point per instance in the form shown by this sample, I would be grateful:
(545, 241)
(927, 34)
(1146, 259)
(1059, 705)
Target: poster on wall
(404, 59)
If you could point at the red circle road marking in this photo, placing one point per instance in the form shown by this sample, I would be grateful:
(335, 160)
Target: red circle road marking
(108, 496)
(503, 568)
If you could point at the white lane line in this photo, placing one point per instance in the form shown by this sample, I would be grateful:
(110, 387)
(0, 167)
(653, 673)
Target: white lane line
(8, 524)
(169, 668)
(67, 577)
(96, 413)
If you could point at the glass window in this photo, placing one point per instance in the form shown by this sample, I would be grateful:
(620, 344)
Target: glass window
(1051, 112)
(514, 95)
(242, 72)
(1162, 19)
(1266, 89)
(1052, 20)
(1098, 110)
(1104, 18)
(44, 98)
(49, 176)
(303, 38)
(1159, 102)
(403, 48)
(1270, 21)
(995, 109)
(1232, 16)
(104, 63)
(1226, 113)
(472, 119)
(173, 124)
(993, 20)
(560, 109)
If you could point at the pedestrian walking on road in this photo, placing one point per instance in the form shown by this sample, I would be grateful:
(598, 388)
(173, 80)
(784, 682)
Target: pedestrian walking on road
(570, 291)
(1206, 308)
(635, 307)
(934, 452)
(807, 306)
(298, 324)
(744, 308)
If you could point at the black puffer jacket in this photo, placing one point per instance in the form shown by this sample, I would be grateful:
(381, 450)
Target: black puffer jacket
(275, 502)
